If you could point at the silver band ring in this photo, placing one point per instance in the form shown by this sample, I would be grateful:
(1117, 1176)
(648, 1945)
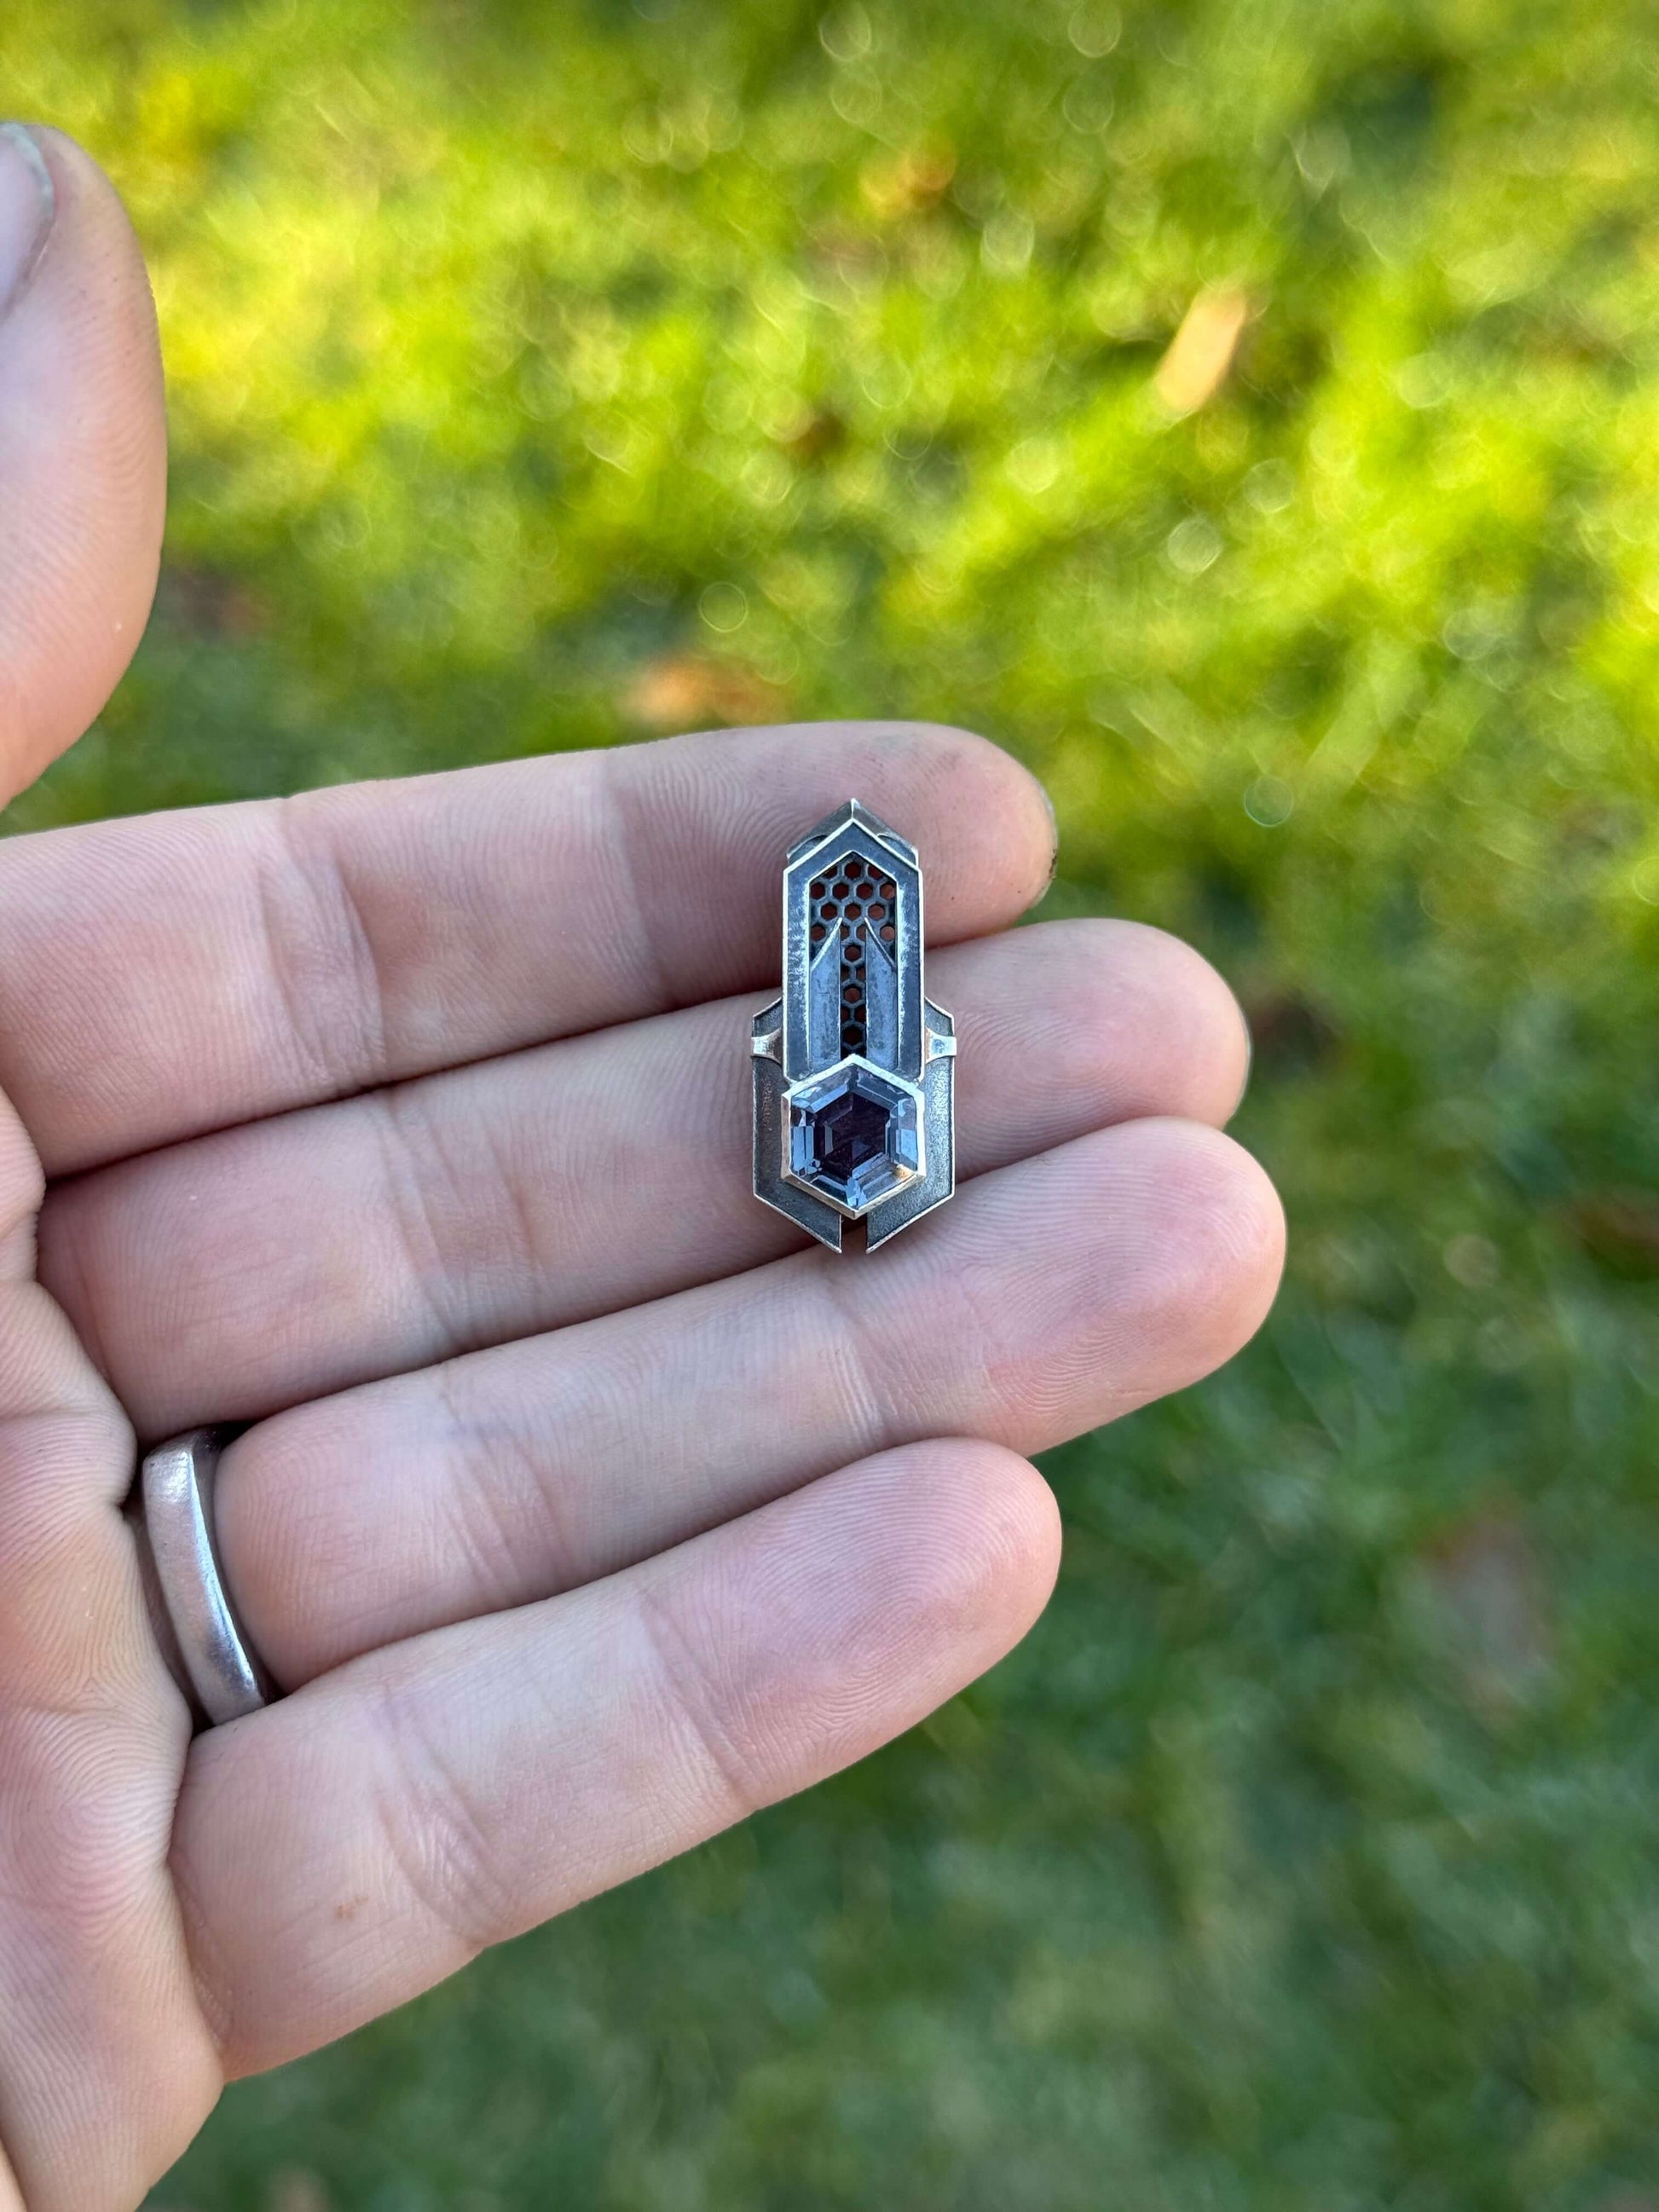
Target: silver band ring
(176, 1490)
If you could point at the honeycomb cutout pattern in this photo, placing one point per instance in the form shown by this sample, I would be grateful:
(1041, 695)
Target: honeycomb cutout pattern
(854, 904)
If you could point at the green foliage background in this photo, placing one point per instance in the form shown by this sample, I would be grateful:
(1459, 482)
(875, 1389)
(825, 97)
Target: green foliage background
(541, 373)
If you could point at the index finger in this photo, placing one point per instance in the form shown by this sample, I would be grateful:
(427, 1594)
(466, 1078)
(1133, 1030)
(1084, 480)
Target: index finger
(179, 972)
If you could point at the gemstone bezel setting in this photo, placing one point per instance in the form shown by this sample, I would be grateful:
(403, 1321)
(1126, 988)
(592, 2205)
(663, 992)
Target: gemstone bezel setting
(863, 1174)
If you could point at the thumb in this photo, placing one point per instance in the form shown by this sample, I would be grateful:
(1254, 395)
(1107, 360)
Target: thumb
(83, 448)
(107, 2065)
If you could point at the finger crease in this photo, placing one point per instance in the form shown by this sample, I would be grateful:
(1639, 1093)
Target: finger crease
(439, 1847)
(366, 962)
(497, 1464)
(340, 1032)
(691, 1695)
(651, 955)
(862, 1362)
(408, 1166)
(514, 1215)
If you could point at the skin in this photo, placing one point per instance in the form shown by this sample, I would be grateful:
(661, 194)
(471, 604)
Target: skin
(585, 1511)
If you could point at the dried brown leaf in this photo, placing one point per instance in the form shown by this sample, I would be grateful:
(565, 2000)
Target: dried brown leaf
(684, 690)
(913, 181)
(1620, 1227)
(1202, 351)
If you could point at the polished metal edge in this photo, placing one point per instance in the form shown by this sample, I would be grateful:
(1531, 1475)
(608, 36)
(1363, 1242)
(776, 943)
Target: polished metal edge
(176, 1481)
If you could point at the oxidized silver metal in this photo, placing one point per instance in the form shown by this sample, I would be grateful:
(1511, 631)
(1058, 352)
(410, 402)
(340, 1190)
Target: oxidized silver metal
(177, 1486)
(853, 1065)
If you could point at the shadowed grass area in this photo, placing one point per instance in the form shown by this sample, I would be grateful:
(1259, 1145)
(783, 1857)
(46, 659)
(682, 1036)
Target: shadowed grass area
(546, 376)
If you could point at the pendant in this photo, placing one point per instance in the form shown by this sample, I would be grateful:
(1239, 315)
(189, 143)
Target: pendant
(853, 1066)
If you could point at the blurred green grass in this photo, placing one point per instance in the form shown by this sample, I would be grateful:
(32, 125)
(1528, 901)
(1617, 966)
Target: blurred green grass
(544, 376)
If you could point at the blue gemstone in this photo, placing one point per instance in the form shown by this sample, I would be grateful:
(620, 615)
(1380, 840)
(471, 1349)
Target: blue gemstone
(847, 1136)
(853, 1136)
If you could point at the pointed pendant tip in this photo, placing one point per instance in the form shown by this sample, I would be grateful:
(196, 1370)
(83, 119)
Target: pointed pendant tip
(852, 813)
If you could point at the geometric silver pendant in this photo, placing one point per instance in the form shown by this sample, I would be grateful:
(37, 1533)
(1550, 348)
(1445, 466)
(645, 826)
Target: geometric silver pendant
(853, 1066)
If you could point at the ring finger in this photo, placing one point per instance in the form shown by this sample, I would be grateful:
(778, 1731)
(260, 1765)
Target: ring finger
(1055, 1294)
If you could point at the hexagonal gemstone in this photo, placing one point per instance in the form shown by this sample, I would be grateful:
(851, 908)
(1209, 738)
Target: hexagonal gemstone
(848, 1135)
(853, 1136)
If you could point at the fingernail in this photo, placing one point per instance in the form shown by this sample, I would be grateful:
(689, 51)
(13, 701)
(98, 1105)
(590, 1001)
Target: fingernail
(27, 205)
(1053, 818)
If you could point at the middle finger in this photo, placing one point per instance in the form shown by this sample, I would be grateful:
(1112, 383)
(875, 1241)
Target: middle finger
(1052, 1295)
(231, 1275)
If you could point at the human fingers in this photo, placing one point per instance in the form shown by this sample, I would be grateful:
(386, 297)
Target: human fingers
(1049, 1296)
(230, 1276)
(181, 972)
(348, 1847)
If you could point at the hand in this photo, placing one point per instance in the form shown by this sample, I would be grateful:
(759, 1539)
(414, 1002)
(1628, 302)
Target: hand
(583, 1511)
